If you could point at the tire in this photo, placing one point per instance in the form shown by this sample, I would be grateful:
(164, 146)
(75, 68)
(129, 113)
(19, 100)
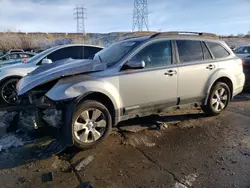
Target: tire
(217, 100)
(9, 84)
(88, 127)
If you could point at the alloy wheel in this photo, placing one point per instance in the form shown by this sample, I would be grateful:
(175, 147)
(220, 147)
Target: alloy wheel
(90, 125)
(9, 92)
(220, 99)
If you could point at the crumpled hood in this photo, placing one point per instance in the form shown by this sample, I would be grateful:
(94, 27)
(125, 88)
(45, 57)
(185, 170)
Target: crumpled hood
(55, 70)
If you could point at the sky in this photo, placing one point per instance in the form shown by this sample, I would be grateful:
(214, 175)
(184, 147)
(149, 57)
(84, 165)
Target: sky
(223, 17)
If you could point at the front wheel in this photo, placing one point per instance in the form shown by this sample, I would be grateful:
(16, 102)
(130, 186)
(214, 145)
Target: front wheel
(91, 124)
(8, 92)
(218, 99)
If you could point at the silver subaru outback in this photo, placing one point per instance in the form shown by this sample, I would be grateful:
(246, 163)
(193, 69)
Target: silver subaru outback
(133, 78)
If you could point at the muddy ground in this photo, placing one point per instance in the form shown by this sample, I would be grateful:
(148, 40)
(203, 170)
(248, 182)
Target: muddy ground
(181, 149)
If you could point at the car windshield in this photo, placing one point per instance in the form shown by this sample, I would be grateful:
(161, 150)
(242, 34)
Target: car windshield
(115, 52)
(242, 50)
(41, 55)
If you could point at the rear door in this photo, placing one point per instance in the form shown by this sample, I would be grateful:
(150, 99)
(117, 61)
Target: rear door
(195, 66)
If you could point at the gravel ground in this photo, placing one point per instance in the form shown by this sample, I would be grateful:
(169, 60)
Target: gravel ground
(177, 150)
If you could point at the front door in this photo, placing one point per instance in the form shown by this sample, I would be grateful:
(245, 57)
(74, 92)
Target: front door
(155, 85)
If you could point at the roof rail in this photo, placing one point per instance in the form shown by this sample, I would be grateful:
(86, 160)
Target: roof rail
(184, 33)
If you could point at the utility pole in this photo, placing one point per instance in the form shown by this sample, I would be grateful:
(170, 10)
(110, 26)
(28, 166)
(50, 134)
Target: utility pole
(140, 15)
(80, 13)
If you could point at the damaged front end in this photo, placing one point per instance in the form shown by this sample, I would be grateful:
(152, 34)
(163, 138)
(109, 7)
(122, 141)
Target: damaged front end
(39, 108)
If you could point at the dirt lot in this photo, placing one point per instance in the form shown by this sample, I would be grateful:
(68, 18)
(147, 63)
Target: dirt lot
(173, 150)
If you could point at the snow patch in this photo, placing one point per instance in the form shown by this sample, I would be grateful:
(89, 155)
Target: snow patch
(187, 181)
(190, 179)
(9, 141)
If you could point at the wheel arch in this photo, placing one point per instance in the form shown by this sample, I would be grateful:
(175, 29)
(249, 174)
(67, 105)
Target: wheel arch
(9, 77)
(224, 79)
(102, 98)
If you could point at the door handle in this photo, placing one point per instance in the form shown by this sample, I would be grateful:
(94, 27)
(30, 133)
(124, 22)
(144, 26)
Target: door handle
(210, 67)
(170, 73)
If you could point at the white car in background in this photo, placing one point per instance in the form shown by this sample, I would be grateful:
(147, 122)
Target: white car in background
(10, 75)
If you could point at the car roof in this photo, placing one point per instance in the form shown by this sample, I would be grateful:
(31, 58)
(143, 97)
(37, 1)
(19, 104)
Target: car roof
(73, 45)
(179, 35)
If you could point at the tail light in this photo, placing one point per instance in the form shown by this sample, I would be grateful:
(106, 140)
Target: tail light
(24, 60)
(243, 62)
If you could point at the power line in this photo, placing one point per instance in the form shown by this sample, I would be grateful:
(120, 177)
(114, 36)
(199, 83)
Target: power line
(140, 15)
(80, 13)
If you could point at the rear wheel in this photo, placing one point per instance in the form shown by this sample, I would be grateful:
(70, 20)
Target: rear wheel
(8, 92)
(218, 99)
(91, 124)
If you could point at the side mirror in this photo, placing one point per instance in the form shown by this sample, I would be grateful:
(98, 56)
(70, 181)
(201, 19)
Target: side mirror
(135, 64)
(46, 61)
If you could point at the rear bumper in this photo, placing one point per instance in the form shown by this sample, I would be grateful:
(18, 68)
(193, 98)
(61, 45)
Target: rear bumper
(240, 82)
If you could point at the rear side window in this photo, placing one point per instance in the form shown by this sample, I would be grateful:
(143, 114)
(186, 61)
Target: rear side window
(217, 50)
(189, 50)
(89, 52)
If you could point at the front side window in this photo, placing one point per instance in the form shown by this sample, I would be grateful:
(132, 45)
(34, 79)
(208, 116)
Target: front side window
(217, 50)
(155, 55)
(189, 50)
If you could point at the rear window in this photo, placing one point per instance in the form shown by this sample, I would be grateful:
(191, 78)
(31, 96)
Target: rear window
(189, 50)
(217, 50)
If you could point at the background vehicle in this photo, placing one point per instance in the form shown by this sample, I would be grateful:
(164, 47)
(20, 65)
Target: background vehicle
(243, 51)
(10, 75)
(15, 57)
(15, 50)
(137, 77)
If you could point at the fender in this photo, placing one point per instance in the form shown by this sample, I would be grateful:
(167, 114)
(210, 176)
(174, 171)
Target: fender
(73, 87)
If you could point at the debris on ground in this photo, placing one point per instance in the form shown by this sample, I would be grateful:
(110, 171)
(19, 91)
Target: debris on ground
(21, 179)
(161, 125)
(86, 185)
(62, 165)
(5, 121)
(85, 162)
(53, 117)
(28, 121)
(47, 177)
(10, 140)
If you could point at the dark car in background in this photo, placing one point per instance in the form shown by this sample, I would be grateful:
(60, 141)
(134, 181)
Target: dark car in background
(246, 67)
(243, 52)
